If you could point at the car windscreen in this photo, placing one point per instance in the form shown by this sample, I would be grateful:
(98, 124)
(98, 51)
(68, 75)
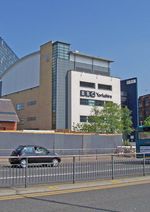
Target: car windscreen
(19, 148)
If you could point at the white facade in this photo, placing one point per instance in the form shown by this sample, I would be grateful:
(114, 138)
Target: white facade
(76, 92)
(24, 74)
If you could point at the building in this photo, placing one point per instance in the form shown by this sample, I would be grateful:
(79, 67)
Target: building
(7, 56)
(129, 98)
(55, 88)
(144, 108)
(8, 116)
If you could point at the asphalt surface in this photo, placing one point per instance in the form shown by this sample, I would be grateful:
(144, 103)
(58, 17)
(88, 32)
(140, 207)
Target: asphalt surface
(128, 195)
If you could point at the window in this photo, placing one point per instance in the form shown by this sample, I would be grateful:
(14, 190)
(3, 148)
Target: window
(31, 118)
(87, 84)
(28, 150)
(83, 101)
(20, 106)
(40, 150)
(83, 118)
(105, 87)
(91, 102)
(31, 102)
(99, 103)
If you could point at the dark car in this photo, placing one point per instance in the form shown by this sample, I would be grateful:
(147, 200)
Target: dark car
(33, 154)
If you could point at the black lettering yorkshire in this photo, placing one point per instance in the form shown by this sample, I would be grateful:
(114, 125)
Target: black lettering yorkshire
(94, 94)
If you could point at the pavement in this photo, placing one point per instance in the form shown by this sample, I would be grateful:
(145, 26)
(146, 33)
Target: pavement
(68, 187)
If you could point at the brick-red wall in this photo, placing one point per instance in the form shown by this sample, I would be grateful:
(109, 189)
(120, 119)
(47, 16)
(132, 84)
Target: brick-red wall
(8, 125)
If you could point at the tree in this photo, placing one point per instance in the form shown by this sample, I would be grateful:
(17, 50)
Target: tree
(106, 120)
(126, 122)
(147, 121)
(110, 119)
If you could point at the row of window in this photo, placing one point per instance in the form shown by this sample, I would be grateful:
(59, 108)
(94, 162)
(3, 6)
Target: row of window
(21, 106)
(91, 102)
(92, 85)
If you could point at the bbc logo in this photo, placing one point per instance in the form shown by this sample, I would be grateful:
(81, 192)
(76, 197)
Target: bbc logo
(87, 93)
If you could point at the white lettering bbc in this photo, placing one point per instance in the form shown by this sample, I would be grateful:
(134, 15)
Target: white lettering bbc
(131, 82)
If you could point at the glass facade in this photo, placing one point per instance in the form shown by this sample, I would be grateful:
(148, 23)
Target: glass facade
(7, 56)
(60, 52)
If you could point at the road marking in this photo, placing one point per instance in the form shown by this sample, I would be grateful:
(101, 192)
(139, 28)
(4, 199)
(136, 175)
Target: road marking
(73, 190)
(53, 187)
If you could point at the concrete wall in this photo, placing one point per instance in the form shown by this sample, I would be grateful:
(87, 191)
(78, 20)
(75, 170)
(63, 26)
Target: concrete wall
(10, 140)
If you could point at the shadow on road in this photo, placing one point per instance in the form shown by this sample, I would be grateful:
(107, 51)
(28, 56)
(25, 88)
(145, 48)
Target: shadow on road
(70, 204)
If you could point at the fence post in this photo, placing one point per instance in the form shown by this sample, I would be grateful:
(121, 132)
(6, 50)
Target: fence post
(112, 165)
(73, 170)
(143, 164)
(13, 176)
(79, 154)
(26, 173)
(96, 155)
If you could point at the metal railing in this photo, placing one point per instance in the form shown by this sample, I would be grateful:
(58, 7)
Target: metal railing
(72, 169)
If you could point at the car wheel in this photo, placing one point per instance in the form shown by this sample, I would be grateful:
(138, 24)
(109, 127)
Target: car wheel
(23, 163)
(55, 162)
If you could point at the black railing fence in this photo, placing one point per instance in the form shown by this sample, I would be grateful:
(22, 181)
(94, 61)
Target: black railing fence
(74, 169)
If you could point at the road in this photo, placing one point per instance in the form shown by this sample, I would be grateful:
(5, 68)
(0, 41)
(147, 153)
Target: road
(66, 172)
(133, 198)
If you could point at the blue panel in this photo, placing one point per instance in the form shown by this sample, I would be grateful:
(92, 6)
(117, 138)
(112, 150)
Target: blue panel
(129, 98)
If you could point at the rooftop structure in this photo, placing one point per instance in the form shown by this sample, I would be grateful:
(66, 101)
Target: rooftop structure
(7, 56)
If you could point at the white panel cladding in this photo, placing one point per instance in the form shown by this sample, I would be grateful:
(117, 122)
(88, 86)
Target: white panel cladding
(78, 110)
(89, 61)
(82, 59)
(24, 74)
(101, 63)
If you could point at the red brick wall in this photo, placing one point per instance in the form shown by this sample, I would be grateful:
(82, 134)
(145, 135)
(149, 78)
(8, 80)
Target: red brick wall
(8, 125)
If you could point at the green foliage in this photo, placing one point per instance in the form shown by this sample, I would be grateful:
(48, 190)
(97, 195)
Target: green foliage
(126, 122)
(110, 119)
(126, 143)
(147, 121)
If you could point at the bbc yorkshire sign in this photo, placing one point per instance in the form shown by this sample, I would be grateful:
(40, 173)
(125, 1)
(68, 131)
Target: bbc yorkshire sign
(94, 94)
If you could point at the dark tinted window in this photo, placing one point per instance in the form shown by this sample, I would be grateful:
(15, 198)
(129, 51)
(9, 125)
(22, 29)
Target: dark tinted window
(105, 87)
(87, 84)
(31, 102)
(83, 118)
(91, 102)
(83, 101)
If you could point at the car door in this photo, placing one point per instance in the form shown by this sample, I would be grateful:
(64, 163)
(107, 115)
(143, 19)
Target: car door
(41, 154)
(29, 153)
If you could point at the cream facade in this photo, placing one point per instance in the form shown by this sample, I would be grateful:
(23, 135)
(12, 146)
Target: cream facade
(28, 83)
